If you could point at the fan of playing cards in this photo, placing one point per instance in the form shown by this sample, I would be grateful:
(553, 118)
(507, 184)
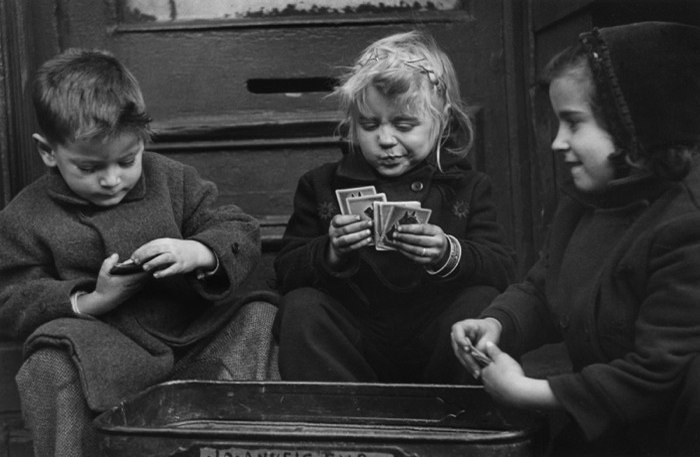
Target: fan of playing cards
(387, 216)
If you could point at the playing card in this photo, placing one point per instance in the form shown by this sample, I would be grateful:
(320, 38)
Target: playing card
(402, 215)
(378, 206)
(481, 359)
(381, 214)
(343, 194)
(363, 206)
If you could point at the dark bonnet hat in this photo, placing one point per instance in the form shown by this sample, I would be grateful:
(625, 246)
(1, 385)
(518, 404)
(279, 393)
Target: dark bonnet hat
(650, 71)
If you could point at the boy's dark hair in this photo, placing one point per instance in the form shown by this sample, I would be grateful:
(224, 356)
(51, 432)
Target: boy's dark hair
(83, 94)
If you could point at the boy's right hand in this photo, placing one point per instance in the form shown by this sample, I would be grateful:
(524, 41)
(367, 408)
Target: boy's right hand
(347, 232)
(110, 290)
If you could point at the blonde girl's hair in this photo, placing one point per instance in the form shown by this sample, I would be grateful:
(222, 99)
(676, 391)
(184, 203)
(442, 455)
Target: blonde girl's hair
(412, 71)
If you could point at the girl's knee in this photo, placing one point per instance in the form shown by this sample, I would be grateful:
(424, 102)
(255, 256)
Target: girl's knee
(305, 303)
(307, 311)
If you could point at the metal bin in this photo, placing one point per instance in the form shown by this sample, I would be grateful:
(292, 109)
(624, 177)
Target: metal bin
(295, 419)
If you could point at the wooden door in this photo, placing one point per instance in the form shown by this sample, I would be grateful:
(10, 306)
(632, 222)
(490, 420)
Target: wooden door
(240, 89)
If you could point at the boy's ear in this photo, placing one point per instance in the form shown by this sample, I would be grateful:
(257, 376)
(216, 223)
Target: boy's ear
(45, 150)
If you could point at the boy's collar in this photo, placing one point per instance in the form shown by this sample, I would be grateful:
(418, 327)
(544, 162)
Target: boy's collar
(59, 191)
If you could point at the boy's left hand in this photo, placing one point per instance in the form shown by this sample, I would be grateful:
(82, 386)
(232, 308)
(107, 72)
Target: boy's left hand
(423, 243)
(170, 256)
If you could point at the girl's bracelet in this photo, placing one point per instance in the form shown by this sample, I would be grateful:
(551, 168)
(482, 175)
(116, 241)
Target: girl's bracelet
(452, 261)
(441, 269)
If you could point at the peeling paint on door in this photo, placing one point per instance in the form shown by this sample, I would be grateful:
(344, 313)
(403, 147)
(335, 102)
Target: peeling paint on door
(187, 10)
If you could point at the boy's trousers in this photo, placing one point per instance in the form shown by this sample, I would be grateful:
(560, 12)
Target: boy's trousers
(322, 339)
(57, 414)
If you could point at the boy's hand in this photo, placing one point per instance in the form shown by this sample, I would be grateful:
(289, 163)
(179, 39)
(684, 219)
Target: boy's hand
(170, 256)
(110, 290)
(423, 243)
(347, 232)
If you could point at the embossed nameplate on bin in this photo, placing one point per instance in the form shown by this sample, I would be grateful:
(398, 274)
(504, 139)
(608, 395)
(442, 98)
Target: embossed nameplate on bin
(278, 452)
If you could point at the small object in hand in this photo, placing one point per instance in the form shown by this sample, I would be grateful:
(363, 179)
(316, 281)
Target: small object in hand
(126, 268)
(481, 358)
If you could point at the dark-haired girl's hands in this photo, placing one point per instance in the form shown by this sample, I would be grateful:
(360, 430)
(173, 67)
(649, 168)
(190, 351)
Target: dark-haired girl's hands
(476, 332)
(505, 380)
(347, 233)
(425, 244)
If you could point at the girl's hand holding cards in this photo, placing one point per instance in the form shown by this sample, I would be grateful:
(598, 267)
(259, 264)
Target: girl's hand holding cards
(348, 233)
(474, 359)
(424, 243)
(396, 226)
(481, 359)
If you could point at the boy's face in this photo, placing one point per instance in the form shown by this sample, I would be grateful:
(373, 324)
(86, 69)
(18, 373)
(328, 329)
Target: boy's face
(102, 171)
(586, 145)
(393, 140)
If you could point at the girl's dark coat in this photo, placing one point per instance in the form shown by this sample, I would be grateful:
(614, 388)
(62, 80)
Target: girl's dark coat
(631, 321)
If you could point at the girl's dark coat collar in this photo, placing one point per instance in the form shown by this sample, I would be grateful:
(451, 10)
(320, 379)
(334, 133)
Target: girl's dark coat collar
(621, 192)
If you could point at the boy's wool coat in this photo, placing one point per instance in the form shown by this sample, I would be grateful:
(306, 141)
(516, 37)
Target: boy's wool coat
(53, 243)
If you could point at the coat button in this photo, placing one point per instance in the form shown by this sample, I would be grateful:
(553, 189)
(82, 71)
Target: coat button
(235, 248)
(417, 186)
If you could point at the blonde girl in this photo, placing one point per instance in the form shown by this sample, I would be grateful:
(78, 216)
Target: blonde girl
(354, 313)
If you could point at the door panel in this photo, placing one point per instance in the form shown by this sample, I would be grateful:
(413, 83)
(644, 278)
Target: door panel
(245, 99)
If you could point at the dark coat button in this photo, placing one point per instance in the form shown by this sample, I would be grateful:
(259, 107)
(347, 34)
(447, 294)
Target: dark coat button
(235, 248)
(417, 186)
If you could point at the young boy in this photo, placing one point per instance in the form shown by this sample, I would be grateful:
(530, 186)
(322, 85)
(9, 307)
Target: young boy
(93, 335)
